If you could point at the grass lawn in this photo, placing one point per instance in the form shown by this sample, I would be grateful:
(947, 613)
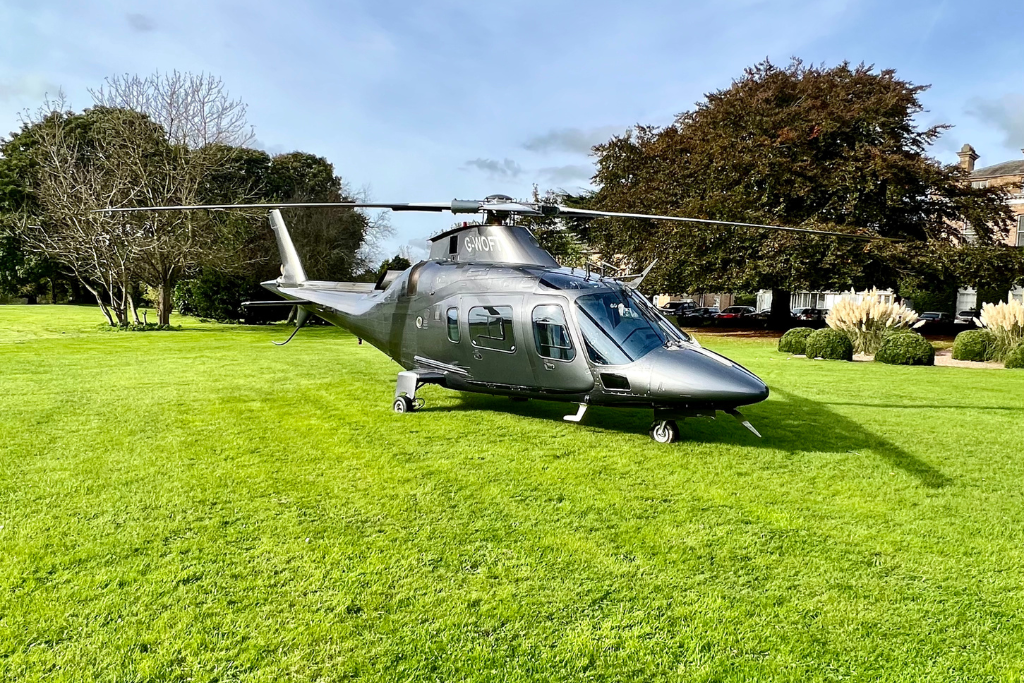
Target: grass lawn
(202, 505)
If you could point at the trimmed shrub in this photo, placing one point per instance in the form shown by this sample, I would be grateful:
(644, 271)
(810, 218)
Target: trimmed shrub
(976, 345)
(795, 340)
(1015, 358)
(867, 321)
(829, 344)
(1006, 321)
(908, 348)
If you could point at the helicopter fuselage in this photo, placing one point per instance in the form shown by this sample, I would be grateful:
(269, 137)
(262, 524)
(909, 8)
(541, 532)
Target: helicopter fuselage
(534, 331)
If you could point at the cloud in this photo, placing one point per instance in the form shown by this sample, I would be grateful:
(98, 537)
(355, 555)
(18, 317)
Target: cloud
(140, 23)
(418, 248)
(572, 173)
(497, 169)
(271, 149)
(1005, 113)
(26, 88)
(575, 140)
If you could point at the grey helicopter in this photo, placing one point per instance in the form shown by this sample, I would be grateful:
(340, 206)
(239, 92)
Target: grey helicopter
(490, 311)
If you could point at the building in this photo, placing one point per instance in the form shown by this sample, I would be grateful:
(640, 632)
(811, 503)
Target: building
(1008, 174)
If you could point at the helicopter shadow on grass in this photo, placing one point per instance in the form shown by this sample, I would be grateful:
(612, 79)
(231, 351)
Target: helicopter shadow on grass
(794, 423)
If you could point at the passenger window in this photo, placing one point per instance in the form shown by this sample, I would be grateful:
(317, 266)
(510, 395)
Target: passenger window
(551, 334)
(490, 327)
(453, 325)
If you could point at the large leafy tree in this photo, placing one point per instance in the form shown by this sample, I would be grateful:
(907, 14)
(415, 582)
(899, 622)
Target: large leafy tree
(328, 240)
(835, 148)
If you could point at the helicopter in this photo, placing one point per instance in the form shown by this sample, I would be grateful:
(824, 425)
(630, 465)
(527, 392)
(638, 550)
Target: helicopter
(490, 311)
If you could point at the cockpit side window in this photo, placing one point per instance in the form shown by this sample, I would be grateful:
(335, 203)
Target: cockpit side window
(453, 324)
(551, 334)
(490, 327)
(615, 329)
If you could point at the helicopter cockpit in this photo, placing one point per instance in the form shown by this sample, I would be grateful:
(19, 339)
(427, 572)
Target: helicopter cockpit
(620, 327)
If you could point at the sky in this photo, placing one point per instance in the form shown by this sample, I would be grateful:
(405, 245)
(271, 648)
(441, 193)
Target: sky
(431, 101)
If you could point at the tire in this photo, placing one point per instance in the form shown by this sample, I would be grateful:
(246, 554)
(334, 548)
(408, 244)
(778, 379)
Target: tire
(665, 431)
(403, 404)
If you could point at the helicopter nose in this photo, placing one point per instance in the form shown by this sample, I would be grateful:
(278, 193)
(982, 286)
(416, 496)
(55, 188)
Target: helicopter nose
(703, 376)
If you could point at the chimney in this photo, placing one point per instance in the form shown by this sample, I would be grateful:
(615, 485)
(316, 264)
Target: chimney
(967, 157)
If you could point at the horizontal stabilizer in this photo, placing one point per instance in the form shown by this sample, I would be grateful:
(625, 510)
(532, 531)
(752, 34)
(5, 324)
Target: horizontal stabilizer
(279, 302)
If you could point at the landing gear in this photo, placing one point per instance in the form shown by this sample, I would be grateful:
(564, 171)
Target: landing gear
(665, 431)
(404, 404)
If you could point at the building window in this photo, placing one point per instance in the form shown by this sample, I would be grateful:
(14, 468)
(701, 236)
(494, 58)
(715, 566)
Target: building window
(490, 327)
(453, 325)
(551, 334)
(1020, 231)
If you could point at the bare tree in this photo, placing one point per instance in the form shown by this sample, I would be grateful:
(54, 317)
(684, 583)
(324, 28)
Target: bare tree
(204, 128)
(195, 109)
(69, 182)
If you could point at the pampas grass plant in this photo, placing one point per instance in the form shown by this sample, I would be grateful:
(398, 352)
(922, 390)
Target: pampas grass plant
(1006, 322)
(868, 321)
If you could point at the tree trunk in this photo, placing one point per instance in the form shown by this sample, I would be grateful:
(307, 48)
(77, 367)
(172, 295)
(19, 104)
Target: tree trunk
(31, 299)
(163, 304)
(780, 318)
(103, 306)
(131, 307)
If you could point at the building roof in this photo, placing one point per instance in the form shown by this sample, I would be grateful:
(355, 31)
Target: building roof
(1003, 169)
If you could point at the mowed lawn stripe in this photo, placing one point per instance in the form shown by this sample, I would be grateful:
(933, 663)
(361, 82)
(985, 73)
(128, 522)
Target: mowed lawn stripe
(199, 504)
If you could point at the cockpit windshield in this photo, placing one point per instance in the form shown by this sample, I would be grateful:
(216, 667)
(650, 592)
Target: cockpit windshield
(616, 328)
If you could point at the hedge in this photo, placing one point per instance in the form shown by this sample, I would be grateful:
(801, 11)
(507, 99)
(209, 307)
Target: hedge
(829, 344)
(908, 348)
(795, 340)
(1015, 359)
(976, 345)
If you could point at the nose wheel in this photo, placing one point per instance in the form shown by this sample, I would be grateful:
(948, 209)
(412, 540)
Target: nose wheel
(665, 431)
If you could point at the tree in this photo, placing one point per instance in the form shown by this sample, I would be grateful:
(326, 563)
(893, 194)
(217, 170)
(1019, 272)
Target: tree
(802, 146)
(203, 129)
(329, 241)
(195, 110)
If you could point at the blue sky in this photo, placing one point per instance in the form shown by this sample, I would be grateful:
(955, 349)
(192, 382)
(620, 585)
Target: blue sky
(431, 101)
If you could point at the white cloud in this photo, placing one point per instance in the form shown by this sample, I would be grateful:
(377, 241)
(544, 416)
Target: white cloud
(140, 22)
(1005, 113)
(573, 140)
(27, 88)
(497, 169)
(571, 173)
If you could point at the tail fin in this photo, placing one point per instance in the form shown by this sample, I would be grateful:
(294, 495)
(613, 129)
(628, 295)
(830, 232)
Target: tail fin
(291, 267)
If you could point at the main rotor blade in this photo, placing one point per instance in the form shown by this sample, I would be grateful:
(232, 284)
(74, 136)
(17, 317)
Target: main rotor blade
(427, 206)
(587, 213)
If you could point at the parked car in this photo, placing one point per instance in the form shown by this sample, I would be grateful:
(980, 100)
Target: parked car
(697, 316)
(936, 317)
(810, 315)
(967, 317)
(677, 307)
(734, 314)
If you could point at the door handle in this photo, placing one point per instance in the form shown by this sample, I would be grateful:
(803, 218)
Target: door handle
(548, 365)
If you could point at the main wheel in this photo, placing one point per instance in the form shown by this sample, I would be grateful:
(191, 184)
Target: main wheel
(665, 431)
(403, 404)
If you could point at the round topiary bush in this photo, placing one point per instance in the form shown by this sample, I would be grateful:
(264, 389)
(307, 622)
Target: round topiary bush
(976, 345)
(908, 348)
(1015, 359)
(829, 344)
(795, 340)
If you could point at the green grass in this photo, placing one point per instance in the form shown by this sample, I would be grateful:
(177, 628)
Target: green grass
(201, 505)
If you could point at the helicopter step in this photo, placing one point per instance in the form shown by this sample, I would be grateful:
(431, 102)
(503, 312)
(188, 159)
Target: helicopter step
(405, 389)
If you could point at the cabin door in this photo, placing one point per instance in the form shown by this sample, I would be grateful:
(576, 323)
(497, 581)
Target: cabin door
(497, 349)
(556, 351)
